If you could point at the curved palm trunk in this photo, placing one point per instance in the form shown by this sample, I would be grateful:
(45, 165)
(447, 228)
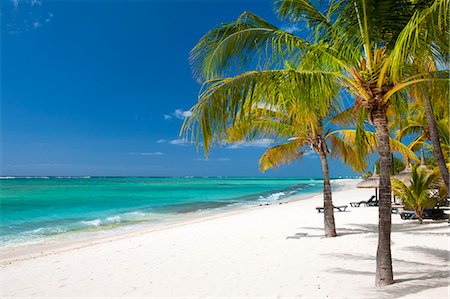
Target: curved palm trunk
(420, 219)
(330, 228)
(434, 136)
(384, 274)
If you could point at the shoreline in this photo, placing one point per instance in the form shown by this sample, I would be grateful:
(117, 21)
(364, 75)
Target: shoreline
(16, 253)
(60, 243)
(264, 251)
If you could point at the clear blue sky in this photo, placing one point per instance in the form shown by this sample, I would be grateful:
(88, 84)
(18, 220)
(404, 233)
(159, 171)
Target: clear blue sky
(99, 87)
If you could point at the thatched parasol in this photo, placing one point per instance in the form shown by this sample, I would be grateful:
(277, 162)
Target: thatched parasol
(371, 182)
(423, 166)
(405, 175)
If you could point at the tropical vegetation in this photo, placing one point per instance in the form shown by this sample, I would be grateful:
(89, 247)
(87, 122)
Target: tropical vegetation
(301, 128)
(420, 192)
(295, 131)
(397, 164)
(374, 51)
(414, 123)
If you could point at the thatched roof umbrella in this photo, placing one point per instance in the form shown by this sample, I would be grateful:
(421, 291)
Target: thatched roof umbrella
(405, 175)
(371, 182)
(423, 166)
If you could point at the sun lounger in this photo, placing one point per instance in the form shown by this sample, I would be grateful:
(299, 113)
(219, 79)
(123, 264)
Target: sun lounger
(408, 215)
(337, 208)
(369, 203)
(396, 208)
(434, 214)
(355, 204)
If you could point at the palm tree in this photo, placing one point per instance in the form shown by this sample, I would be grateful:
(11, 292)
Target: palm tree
(338, 52)
(302, 127)
(435, 126)
(436, 140)
(298, 131)
(417, 195)
(417, 124)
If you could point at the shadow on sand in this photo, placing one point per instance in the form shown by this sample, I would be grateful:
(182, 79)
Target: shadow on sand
(412, 276)
(427, 228)
(406, 227)
(340, 232)
(419, 276)
(304, 235)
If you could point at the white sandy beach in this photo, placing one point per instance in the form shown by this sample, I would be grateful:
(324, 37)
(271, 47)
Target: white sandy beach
(266, 252)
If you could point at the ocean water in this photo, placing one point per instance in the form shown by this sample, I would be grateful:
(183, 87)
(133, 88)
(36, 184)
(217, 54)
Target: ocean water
(33, 209)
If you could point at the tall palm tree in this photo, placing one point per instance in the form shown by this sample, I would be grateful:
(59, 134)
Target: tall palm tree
(435, 127)
(414, 123)
(300, 126)
(338, 52)
(296, 131)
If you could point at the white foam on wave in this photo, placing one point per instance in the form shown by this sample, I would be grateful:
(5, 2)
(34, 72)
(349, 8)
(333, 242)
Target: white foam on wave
(126, 217)
(42, 233)
(47, 231)
(113, 219)
(34, 236)
(95, 222)
(273, 196)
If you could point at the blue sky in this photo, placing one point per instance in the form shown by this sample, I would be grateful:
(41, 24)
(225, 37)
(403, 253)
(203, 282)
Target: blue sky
(101, 87)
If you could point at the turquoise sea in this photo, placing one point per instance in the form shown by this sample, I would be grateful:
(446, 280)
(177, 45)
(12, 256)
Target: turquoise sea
(36, 208)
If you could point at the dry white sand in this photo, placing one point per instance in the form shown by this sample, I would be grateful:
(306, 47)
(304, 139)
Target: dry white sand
(270, 251)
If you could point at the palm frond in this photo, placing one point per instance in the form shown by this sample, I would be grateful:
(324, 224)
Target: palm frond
(250, 129)
(425, 37)
(305, 11)
(223, 101)
(232, 47)
(354, 146)
(349, 117)
(281, 154)
(418, 193)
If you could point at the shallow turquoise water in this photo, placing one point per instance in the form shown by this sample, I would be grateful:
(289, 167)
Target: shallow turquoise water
(39, 207)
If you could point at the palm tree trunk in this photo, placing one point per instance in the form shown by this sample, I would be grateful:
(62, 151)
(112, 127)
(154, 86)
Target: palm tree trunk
(419, 214)
(330, 228)
(384, 274)
(434, 136)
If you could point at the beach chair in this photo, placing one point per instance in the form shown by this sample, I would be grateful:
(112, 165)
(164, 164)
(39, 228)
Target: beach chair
(367, 203)
(433, 214)
(337, 208)
(373, 203)
(408, 215)
(396, 208)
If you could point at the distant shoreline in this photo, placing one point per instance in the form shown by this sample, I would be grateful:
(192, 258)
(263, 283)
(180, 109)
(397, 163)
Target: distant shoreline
(70, 240)
(178, 177)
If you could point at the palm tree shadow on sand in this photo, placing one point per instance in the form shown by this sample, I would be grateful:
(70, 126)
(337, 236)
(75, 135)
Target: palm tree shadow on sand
(413, 276)
(355, 228)
(420, 277)
(308, 232)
